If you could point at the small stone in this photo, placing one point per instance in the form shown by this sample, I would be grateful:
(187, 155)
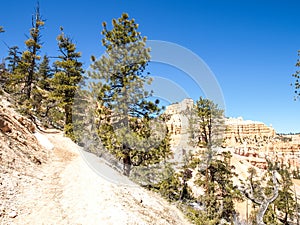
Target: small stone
(12, 214)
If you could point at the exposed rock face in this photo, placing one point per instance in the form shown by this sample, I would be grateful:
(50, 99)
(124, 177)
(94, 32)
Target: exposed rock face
(250, 139)
(178, 123)
(256, 141)
(20, 157)
(19, 147)
(239, 131)
(178, 127)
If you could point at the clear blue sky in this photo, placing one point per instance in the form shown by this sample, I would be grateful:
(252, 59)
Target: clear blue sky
(251, 46)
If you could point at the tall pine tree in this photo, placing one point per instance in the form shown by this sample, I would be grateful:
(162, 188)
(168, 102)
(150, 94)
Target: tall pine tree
(125, 112)
(296, 75)
(214, 170)
(28, 64)
(206, 131)
(66, 80)
(13, 58)
(44, 73)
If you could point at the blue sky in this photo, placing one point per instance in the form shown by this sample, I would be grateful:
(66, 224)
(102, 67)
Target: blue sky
(250, 46)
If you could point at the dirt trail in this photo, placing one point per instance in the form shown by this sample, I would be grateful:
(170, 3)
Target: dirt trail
(68, 191)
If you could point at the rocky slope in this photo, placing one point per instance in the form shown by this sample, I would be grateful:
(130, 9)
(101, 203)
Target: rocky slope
(21, 157)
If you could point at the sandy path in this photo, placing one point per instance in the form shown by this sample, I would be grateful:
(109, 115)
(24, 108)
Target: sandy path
(70, 192)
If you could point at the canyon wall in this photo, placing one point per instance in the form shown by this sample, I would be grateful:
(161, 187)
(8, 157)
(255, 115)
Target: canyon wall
(252, 140)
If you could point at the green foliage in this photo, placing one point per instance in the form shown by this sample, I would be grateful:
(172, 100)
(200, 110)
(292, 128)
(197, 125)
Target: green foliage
(296, 75)
(206, 124)
(28, 64)
(169, 183)
(283, 209)
(206, 128)
(170, 187)
(13, 58)
(296, 173)
(280, 209)
(128, 122)
(66, 80)
(200, 217)
(2, 29)
(214, 171)
(44, 74)
(220, 193)
(22, 75)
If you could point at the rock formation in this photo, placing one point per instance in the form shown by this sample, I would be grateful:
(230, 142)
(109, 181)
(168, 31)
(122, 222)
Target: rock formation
(252, 140)
(239, 130)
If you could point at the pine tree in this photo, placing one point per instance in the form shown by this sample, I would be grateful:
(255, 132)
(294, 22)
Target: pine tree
(27, 67)
(44, 74)
(67, 79)
(2, 69)
(13, 58)
(215, 173)
(206, 130)
(275, 199)
(283, 209)
(40, 100)
(208, 124)
(220, 193)
(296, 75)
(125, 113)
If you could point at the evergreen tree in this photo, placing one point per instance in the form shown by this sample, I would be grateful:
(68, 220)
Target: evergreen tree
(207, 121)
(173, 187)
(215, 173)
(206, 130)
(44, 74)
(2, 69)
(40, 100)
(283, 209)
(296, 173)
(296, 75)
(27, 67)
(67, 79)
(220, 192)
(206, 127)
(13, 58)
(126, 115)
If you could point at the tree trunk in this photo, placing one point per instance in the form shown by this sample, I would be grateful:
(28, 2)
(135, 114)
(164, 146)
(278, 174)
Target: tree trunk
(68, 118)
(127, 165)
(261, 212)
(28, 87)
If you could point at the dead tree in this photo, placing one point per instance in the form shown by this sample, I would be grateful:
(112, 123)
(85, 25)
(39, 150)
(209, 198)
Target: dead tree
(263, 201)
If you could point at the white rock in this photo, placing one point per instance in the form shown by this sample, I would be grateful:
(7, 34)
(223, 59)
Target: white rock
(43, 140)
(12, 214)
